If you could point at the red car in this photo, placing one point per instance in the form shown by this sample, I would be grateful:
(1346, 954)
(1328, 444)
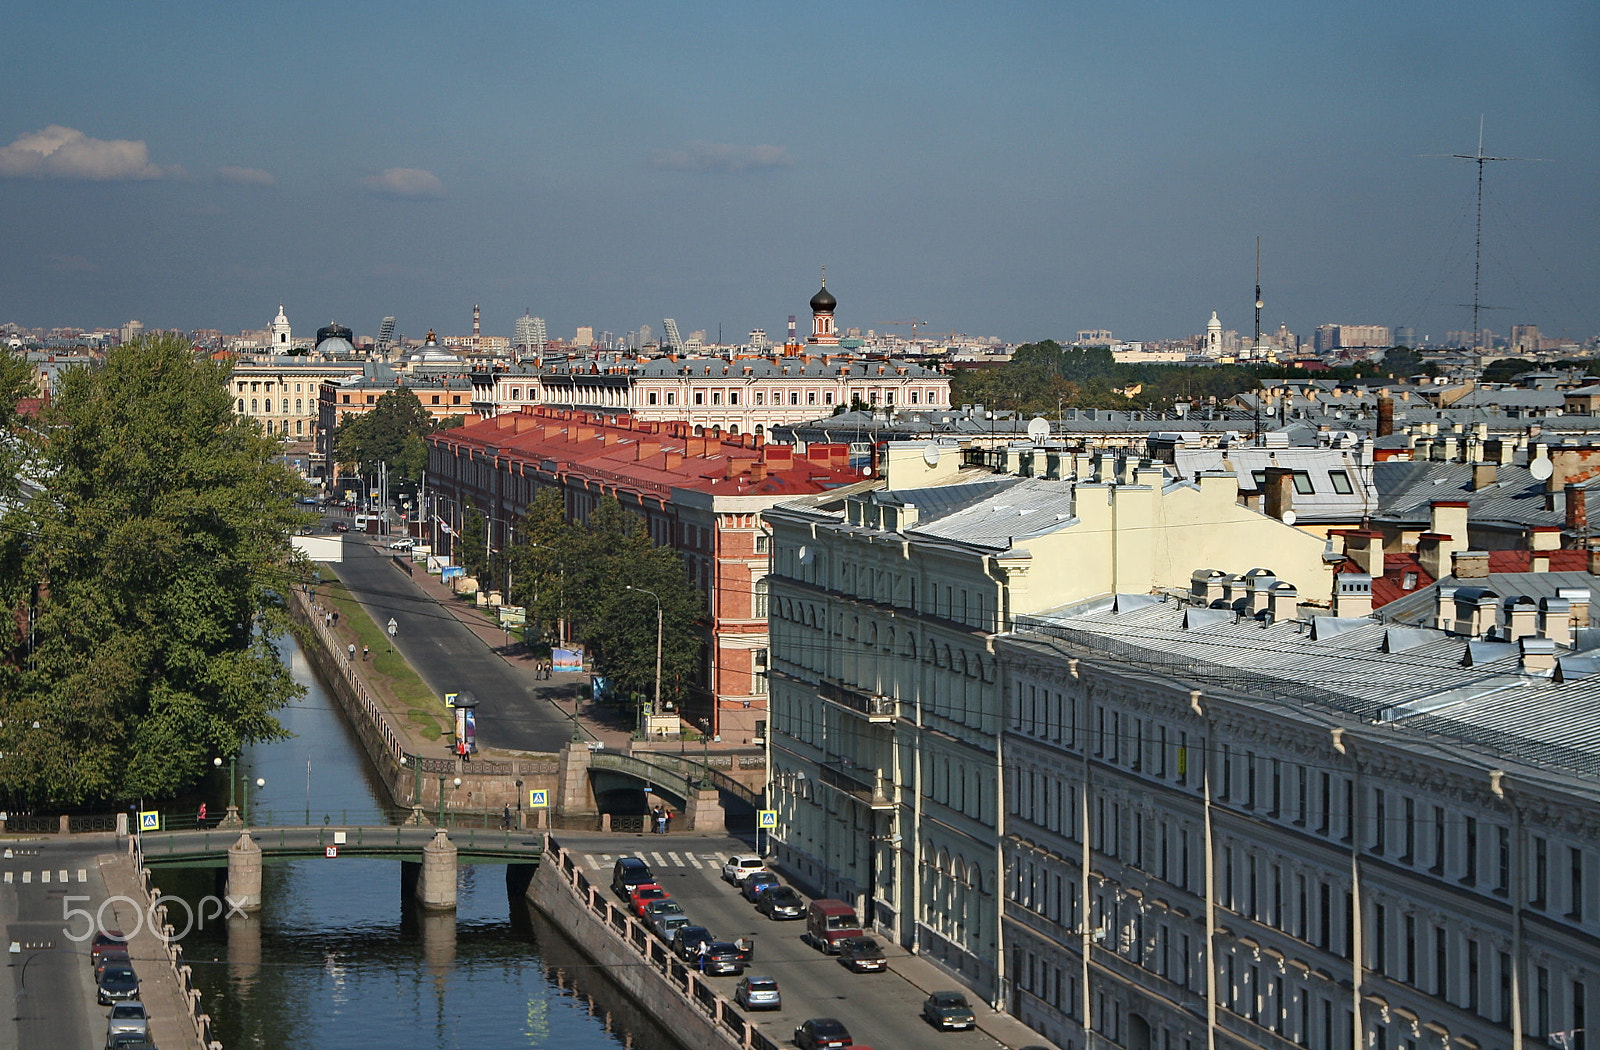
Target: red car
(341, 526)
(106, 940)
(640, 896)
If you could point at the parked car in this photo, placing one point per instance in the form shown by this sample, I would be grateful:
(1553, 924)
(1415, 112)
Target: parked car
(627, 873)
(755, 885)
(830, 921)
(404, 543)
(644, 893)
(862, 955)
(781, 902)
(948, 1010)
(741, 867)
(722, 958)
(116, 984)
(129, 1041)
(821, 1033)
(758, 993)
(664, 918)
(127, 1019)
(686, 941)
(103, 940)
(111, 956)
(341, 526)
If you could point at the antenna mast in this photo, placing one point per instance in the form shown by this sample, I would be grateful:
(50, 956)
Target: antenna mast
(1257, 344)
(1480, 159)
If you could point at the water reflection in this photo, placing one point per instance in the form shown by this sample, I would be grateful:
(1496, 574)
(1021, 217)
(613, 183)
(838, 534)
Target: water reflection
(340, 958)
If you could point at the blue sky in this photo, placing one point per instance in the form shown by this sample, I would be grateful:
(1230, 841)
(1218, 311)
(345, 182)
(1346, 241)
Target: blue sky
(1022, 170)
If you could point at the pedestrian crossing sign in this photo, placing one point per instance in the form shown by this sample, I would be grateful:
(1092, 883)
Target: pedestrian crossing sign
(767, 818)
(538, 799)
(149, 820)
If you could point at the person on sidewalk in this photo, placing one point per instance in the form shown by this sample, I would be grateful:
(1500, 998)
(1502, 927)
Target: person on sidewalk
(200, 819)
(352, 652)
(364, 652)
(505, 819)
(666, 825)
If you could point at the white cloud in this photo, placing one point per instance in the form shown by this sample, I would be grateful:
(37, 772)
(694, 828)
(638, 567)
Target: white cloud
(66, 153)
(721, 157)
(405, 182)
(245, 176)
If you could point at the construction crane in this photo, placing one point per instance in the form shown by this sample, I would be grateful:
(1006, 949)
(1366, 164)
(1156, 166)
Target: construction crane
(915, 323)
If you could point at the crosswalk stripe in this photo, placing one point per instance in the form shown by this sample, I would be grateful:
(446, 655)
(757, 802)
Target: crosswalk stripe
(659, 861)
(27, 876)
(44, 876)
(62, 874)
(694, 861)
(8, 877)
(677, 861)
(83, 876)
(596, 862)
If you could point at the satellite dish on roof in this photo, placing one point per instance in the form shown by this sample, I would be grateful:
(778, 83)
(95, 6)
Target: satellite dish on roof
(1290, 517)
(930, 454)
(1541, 468)
(1038, 428)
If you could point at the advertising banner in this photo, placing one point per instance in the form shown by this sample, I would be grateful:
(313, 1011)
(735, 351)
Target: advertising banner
(570, 660)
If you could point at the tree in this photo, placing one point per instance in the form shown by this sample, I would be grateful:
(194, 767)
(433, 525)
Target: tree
(156, 559)
(391, 433)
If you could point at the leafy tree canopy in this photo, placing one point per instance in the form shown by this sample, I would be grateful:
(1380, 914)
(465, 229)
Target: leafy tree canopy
(391, 433)
(581, 572)
(151, 570)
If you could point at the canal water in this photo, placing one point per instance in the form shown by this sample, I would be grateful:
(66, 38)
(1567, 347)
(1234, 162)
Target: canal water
(339, 961)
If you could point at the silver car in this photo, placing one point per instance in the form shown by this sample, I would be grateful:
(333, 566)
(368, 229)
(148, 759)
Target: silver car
(127, 1019)
(758, 993)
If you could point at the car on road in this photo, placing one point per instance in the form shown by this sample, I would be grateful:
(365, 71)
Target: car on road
(741, 867)
(781, 902)
(106, 939)
(686, 941)
(129, 1041)
(127, 1019)
(821, 1033)
(862, 955)
(112, 956)
(664, 918)
(643, 894)
(404, 543)
(116, 984)
(341, 526)
(627, 873)
(948, 1010)
(755, 885)
(758, 993)
(722, 958)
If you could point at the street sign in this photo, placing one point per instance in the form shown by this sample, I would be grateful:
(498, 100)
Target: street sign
(766, 818)
(331, 851)
(149, 820)
(391, 627)
(538, 799)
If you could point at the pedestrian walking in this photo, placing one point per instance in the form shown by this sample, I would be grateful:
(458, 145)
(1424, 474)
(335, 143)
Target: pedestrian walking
(667, 822)
(505, 819)
(200, 820)
(336, 617)
(352, 652)
(702, 956)
(364, 651)
(661, 821)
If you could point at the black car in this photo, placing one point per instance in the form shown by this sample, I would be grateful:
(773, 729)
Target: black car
(721, 958)
(686, 942)
(116, 984)
(821, 1033)
(781, 902)
(627, 873)
(948, 1010)
(862, 955)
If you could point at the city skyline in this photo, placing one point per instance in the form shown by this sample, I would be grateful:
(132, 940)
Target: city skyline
(1023, 174)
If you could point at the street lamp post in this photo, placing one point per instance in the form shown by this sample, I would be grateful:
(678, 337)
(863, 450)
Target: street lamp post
(705, 751)
(639, 731)
(261, 782)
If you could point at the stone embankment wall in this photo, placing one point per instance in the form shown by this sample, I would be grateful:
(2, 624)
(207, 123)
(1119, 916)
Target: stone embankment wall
(681, 1001)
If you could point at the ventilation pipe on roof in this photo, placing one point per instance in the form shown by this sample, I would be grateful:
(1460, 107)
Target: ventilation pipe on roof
(1444, 612)
(1284, 601)
(1538, 654)
(1521, 617)
(1578, 598)
(1352, 594)
(1555, 620)
(1205, 586)
(1483, 475)
(1469, 565)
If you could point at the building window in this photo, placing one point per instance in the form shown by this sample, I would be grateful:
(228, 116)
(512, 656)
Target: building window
(733, 397)
(811, 397)
(827, 399)
(347, 399)
(672, 397)
(760, 397)
(1302, 483)
(241, 406)
(759, 608)
(1341, 482)
(297, 409)
(699, 397)
(299, 426)
(716, 397)
(371, 398)
(455, 399)
(516, 393)
(435, 399)
(913, 397)
(794, 397)
(254, 403)
(650, 398)
(285, 406)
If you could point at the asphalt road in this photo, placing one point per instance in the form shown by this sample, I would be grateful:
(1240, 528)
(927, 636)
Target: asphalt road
(449, 657)
(879, 1009)
(49, 983)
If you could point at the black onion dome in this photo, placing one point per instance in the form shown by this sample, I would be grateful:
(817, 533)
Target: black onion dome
(823, 301)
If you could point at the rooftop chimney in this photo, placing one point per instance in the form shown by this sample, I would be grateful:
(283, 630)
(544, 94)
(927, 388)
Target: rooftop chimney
(1475, 611)
(1538, 654)
(1365, 549)
(1483, 475)
(1521, 617)
(1555, 619)
(1444, 610)
(1205, 586)
(1577, 510)
(1352, 594)
(1284, 601)
(1578, 598)
(1260, 582)
(1470, 565)
(1278, 497)
(1385, 414)
(1447, 534)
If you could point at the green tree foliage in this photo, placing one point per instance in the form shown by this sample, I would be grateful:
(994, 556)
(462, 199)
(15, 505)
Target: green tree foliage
(16, 383)
(583, 570)
(391, 433)
(153, 566)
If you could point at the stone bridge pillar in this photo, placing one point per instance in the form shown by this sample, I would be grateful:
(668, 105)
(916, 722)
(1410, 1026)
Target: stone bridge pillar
(705, 810)
(244, 874)
(436, 883)
(576, 794)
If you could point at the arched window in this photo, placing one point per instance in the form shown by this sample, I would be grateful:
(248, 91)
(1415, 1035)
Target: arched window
(253, 404)
(241, 406)
(760, 605)
(299, 426)
(297, 404)
(285, 406)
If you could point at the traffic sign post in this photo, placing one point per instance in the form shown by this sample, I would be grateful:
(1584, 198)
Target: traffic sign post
(149, 820)
(766, 820)
(391, 629)
(538, 799)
